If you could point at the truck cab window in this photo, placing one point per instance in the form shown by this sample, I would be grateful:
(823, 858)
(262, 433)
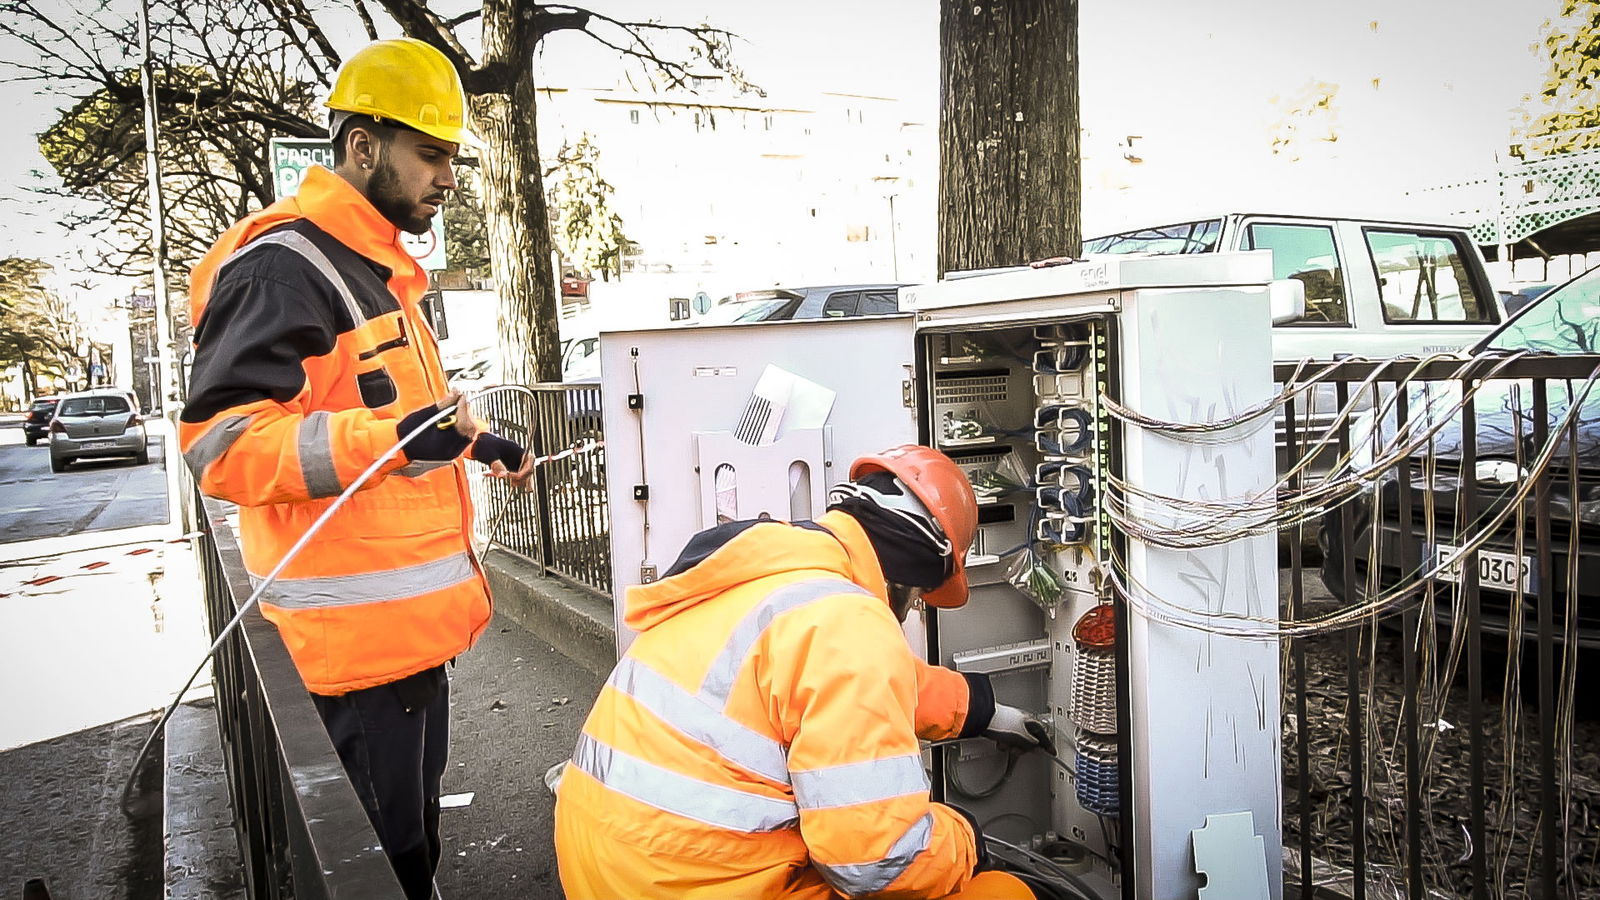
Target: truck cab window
(1185, 237)
(1423, 280)
(1306, 253)
(841, 304)
(877, 303)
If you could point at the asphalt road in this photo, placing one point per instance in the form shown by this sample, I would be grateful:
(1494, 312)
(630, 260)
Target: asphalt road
(94, 495)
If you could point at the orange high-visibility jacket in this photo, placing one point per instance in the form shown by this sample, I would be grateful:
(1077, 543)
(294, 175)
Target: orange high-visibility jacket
(759, 738)
(309, 348)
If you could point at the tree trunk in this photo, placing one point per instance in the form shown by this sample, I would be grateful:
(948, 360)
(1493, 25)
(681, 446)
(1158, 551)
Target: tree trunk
(1008, 132)
(513, 188)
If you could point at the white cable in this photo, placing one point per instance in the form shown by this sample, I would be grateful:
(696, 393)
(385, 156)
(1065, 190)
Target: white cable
(300, 544)
(1270, 509)
(1156, 608)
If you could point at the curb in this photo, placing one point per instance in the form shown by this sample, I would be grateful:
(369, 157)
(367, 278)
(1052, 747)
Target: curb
(576, 621)
(202, 853)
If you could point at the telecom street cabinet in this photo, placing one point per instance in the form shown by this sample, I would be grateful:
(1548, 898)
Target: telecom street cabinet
(1080, 611)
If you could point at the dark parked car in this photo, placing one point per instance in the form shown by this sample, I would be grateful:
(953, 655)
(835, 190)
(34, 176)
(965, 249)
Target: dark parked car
(37, 423)
(1516, 299)
(96, 424)
(1565, 320)
(822, 302)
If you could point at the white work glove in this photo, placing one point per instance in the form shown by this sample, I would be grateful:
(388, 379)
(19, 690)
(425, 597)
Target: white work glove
(553, 776)
(1016, 729)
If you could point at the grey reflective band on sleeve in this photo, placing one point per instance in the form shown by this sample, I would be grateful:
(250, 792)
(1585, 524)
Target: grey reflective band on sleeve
(209, 447)
(368, 587)
(680, 795)
(700, 720)
(718, 683)
(421, 467)
(315, 445)
(302, 245)
(872, 877)
(863, 782)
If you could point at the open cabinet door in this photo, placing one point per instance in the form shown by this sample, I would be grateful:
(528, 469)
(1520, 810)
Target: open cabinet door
(710, 424)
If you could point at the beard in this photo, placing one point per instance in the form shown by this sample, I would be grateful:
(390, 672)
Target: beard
(383, 191)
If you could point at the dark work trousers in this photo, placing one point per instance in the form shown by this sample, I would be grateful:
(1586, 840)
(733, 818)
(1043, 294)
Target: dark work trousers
(393, 740)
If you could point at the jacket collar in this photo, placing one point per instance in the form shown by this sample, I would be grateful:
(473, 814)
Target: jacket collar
(335, 206)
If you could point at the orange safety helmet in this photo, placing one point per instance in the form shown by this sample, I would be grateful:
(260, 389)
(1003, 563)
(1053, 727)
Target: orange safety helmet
(943, 488)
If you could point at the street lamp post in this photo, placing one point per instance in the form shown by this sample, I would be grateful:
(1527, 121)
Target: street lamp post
(166, 375)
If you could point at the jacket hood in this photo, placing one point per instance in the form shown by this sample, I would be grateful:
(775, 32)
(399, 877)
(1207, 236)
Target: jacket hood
(836, 545)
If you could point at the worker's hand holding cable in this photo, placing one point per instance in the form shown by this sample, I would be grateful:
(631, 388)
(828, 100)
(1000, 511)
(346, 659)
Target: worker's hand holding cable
(505, 458)
(444, 439)
(1015, 728)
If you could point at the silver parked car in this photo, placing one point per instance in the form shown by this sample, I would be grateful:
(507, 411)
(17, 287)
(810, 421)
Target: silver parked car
(94, 424)
(824, 302)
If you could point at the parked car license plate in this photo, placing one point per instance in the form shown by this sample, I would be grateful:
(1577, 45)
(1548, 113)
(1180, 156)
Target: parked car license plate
(97, 445)
(1496, 570)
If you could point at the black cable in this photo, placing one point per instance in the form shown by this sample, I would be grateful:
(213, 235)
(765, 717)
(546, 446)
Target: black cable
(1041, 867)
(1106, 831)
(1071, 772)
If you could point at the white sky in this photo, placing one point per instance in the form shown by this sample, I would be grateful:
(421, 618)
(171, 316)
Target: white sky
(1199, 82)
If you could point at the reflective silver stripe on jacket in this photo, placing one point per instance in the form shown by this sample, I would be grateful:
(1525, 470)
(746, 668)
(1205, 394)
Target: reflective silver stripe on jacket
(368, 587)
(872, 877)
(209, 447)
(422, 467)
(701, 718)
(668, 791)
(315, 444)
(862, 782)
(718, 683)
(299, 243)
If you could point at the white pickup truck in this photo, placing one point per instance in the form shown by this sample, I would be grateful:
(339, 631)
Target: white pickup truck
(1373, 288)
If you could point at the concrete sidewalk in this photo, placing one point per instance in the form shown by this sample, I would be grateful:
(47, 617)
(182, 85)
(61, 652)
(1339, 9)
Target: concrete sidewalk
(518, 700)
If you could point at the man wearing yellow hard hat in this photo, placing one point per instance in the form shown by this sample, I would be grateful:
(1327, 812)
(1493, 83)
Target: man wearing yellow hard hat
(313, 359)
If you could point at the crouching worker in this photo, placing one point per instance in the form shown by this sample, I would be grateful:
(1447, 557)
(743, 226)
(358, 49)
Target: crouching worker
(759, 738)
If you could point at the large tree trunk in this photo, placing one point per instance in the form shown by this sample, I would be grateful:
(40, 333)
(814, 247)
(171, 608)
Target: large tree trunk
(1008, 132)
(519, 230)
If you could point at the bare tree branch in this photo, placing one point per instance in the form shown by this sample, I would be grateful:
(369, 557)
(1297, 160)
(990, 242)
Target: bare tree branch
(366, 19)
(546, 21)
(424, 24)
(290, 13)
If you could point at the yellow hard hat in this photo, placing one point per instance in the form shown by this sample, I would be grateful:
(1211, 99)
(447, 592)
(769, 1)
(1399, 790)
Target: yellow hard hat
(404, 80)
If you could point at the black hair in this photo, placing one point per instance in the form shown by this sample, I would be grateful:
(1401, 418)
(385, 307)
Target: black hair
(382, 132)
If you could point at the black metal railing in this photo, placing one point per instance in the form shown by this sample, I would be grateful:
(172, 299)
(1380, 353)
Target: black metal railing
(1436, 730)
(302, 831)
(563, 525)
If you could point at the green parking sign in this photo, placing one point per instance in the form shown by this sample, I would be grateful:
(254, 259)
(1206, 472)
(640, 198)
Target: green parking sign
(291, 157)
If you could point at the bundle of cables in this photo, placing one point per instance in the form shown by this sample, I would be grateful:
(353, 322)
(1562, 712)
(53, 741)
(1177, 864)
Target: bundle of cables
(1046, 878)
